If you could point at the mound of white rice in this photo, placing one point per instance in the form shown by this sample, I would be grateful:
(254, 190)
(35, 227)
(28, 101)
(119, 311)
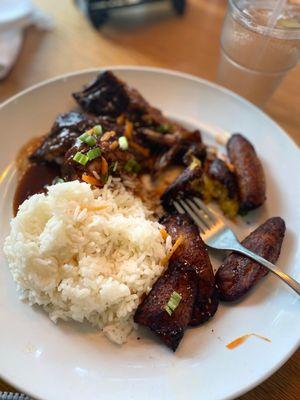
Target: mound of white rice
(86, 254)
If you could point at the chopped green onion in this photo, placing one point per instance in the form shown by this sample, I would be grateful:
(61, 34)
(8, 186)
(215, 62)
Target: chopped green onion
(123, 143)
(94, 153)
(91, 141)
(83, 136)
(132, 166)
(168, 309)
(81, 158)
(97, 130)
(173, 302)
(88, 139)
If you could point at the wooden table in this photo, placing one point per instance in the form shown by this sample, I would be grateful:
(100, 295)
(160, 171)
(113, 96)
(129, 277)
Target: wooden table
(188, 44)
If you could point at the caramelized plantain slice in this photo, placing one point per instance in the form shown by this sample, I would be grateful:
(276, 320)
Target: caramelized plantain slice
(179, 278)
(193, 252)
(238, 274)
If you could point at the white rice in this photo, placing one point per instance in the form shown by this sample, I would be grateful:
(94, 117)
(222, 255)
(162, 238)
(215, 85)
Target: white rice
(85, 264)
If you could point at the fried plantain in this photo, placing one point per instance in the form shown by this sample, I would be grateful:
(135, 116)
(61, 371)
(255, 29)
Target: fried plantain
(248, 171)
(238, 273)
(152, 312)
(193, 252)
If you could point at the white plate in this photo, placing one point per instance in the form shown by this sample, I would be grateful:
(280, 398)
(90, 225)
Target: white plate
(68, 360)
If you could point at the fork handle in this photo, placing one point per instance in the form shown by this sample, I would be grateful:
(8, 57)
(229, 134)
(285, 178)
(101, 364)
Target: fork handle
(271, 267)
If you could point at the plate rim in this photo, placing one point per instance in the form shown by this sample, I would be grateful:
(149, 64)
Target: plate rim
(196, 79)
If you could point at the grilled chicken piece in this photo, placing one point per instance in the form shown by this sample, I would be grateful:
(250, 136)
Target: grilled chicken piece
(188, 146)
(175, 135)
(109, 96)
(249, 172)
(104, 96)
(238, 274)
(193, 252)
(63, 134)
(152, 311)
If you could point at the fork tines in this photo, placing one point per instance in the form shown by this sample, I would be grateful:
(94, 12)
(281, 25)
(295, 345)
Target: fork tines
(202, 215)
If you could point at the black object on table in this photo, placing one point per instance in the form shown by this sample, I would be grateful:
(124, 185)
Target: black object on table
(98, 11)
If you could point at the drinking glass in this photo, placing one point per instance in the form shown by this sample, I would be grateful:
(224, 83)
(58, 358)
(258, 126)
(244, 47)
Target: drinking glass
(257, 53)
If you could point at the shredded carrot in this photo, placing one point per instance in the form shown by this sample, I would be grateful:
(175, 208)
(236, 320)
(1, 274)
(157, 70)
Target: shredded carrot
(140, 149)
(178, 242)
(113, 145)
(237, 342)
(107, 135)
(128, 129)
(120, 119)
(90, 179)
(104, 166)
(164, 234)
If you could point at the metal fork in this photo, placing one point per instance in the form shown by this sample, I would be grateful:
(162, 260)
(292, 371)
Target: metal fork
(216, 234)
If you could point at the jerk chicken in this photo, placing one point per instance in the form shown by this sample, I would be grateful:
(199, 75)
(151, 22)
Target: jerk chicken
(116, 132)
(134, 138)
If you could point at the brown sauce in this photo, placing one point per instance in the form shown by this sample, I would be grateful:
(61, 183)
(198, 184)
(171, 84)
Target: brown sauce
(33, 181)
(22, 161)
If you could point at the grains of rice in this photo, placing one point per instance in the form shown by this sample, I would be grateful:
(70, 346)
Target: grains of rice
(86, 254)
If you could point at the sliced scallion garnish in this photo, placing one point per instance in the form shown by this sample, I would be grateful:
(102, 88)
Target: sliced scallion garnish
(173, 302)
(94, 153)
(97, 130)
(81, 158)
(123, 143)
(88, 139)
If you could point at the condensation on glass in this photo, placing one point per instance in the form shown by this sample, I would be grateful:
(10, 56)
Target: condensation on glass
(254, 56)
